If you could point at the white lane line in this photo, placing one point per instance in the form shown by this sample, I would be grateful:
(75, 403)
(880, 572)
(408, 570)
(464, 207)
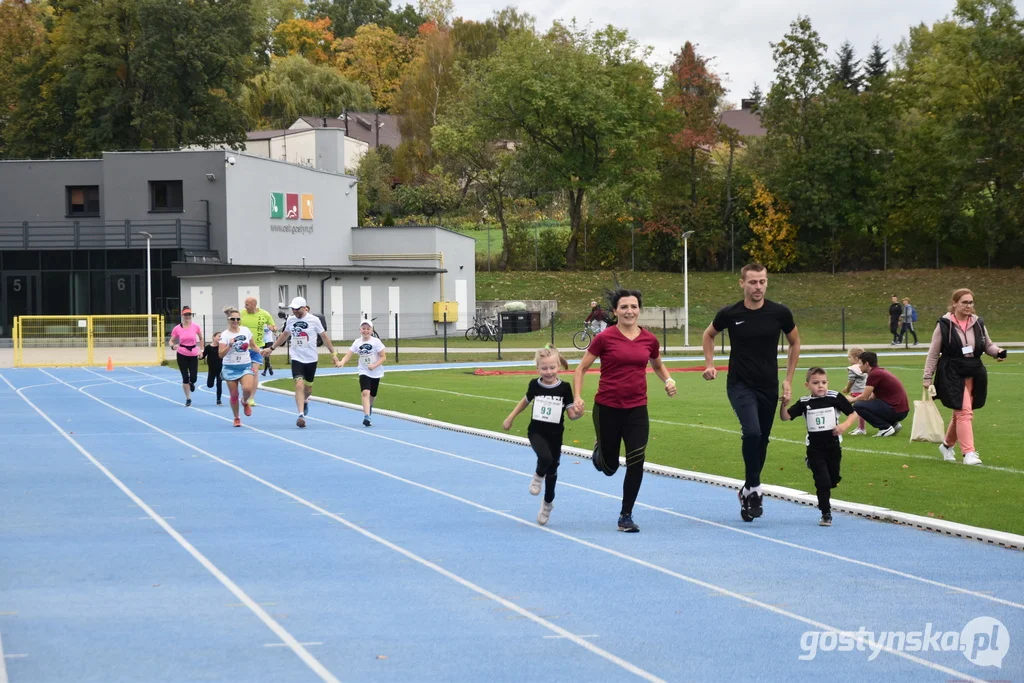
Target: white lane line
(618, 661)
(984, 595)
(3, 659)
(260, 613)
(315, 642)
(750, 602)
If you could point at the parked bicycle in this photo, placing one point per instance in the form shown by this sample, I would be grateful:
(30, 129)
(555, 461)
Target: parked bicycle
(485, 330)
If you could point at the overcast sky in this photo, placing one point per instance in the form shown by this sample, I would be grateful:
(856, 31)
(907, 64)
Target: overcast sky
(736, 33)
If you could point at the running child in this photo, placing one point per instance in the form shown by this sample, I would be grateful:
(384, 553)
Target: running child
(551, 398)
(214, 364)
(372, 355)
(235, 343)
(856, 380)
(824, 435)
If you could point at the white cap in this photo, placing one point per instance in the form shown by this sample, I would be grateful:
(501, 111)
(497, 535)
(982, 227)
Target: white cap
(298, 302)
(366, 321)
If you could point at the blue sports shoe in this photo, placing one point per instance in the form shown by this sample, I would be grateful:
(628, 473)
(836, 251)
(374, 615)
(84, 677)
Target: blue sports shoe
(627, 524)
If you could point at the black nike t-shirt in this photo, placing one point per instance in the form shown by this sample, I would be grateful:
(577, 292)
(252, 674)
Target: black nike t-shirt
(754, 338)
(549, 406)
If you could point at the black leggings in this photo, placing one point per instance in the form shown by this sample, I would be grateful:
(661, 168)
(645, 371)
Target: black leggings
(214, 378)
(755, 407)
(824, 466)
(189, 366)
(549, 452)
(266, 359)
(632, 427)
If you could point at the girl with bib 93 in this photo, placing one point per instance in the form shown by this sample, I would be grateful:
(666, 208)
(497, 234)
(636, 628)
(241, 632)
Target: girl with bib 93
(551, 398)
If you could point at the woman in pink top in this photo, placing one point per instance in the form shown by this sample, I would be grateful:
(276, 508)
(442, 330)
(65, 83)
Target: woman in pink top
(955, 373)
(187, 340)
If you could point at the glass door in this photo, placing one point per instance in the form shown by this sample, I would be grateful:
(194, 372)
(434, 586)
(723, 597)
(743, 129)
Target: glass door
(125, 292)
(20, 297)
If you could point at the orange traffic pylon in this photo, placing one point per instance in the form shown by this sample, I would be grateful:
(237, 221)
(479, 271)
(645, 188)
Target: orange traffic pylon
(110, 363)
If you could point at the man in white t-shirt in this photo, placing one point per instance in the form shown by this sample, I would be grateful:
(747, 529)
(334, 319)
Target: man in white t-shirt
(302, 327)
(371, 361)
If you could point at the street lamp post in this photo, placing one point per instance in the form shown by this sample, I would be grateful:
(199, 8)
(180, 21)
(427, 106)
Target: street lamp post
(149, 291)
(686, 287)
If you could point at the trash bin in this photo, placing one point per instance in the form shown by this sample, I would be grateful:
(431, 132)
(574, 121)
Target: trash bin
(534, 321)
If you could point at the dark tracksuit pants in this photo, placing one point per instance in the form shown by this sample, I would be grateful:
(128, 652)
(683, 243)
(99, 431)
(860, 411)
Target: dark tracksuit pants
(755, 407)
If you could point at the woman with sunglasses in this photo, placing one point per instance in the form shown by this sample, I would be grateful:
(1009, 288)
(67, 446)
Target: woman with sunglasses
(235, 343)
(187, 340)
(955, 374)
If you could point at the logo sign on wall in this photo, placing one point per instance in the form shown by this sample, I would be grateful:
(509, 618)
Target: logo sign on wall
(291, 206)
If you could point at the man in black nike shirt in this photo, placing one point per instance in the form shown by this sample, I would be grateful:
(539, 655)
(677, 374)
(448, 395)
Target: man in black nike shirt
(754, 325)
(895, 311)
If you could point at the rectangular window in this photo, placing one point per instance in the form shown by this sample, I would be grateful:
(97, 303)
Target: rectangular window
(300, 290)
(165, 196)
(282, 295)
(82, 200)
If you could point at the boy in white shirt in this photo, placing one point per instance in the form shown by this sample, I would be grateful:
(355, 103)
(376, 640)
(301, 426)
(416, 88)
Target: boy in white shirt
(371, 359)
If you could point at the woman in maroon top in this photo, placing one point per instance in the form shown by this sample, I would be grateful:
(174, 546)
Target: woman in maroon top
(620, 406)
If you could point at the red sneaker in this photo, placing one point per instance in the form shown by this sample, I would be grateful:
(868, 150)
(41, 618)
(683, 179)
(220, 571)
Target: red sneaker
(238, 422)
(248, 409)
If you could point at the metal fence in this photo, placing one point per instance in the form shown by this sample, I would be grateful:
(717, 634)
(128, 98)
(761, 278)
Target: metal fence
(97, 234)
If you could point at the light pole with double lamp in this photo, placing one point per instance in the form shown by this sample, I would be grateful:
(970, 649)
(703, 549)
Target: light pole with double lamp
(149, 291)
(686, 286)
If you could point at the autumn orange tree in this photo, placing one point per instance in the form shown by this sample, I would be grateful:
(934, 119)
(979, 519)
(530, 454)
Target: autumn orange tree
(311, 39)
(376, 57)
(774, 242)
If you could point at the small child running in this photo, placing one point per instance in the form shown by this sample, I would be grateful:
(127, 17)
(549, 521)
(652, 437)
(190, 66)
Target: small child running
(214, 363)
(824, 435)
(856, 380)
(551, 398)
(372, 355)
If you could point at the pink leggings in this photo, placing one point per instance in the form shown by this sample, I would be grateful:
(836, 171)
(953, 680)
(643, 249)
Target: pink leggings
(860, 423)
(960, 427)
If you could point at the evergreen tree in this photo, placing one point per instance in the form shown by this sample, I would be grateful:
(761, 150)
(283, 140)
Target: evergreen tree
(757, 97)
(877, 67)
(847, 69)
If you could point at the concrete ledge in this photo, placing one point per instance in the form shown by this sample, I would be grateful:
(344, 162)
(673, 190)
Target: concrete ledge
(991, 536)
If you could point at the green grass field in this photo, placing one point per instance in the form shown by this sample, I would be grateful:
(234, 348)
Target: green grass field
(697, 430)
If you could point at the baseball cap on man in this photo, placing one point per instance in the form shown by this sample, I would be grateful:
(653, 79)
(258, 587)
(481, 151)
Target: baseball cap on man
(298, 302)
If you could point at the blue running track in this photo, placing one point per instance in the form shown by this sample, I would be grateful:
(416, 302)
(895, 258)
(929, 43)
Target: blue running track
(141, 541)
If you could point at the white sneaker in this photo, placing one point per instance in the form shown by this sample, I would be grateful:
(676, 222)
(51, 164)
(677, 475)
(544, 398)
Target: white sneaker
(545, 513)
(888, 431)
(535, 484)
(972, 458)
(857, 432)
(948, 452)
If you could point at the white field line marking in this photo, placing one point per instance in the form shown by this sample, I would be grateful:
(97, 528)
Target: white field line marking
(622, 663)
(615, 553)
(267, 620)
(720, 429)
(669, 511)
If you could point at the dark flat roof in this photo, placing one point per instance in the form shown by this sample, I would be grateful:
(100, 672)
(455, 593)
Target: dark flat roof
(188, 269)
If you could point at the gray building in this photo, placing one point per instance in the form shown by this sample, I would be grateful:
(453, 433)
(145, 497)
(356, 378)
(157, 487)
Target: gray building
(222, 226)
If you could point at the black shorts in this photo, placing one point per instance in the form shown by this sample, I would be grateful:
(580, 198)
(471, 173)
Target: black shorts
(304, 371)
(369, 383)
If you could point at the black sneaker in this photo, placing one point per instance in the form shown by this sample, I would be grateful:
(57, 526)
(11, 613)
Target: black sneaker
(191, 387)
(744, 507)
(826, 519)
(627, 524)
(270, 370)
(220, 402)
(366, 421)
(188, 402)
(305, 408)
(595, 459)
(264, 373)
(754, 504)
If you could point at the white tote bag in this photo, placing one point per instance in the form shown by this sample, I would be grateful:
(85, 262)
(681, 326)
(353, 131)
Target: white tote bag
(928, 425)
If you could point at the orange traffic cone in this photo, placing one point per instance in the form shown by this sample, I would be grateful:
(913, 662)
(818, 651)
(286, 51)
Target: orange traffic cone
(110, 363)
